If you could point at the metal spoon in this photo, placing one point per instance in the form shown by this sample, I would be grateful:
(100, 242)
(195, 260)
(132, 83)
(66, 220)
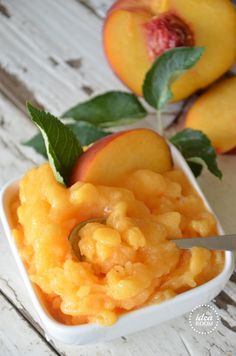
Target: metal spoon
(225, 242)
(74, 235)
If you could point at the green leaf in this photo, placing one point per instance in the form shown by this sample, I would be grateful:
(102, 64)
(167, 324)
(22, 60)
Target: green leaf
(87, 133)
(196, 168)
(37, 143)
(62, 146)
(84, 132)
(196, 148)
(113, 108)
(164, 71)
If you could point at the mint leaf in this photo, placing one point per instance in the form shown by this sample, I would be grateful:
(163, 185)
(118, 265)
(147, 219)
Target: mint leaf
(167, 68)
(196, 168)
(196, 148)
(87, 133)
(37, 143)
(113, 108)
(84, 132)
(63, 148)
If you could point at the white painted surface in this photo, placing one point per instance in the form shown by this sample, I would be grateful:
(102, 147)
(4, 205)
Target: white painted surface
(62, 30)
(30, 342)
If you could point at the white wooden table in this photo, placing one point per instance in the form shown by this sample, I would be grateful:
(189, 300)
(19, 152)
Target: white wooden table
(51, 54)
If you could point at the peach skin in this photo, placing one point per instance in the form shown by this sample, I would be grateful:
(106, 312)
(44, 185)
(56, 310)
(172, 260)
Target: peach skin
(214, 113)
(111, 158)
(137, 32)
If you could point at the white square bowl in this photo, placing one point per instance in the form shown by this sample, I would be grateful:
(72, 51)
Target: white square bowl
(132, 321)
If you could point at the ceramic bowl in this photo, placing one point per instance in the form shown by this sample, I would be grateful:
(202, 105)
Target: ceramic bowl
(130, 322)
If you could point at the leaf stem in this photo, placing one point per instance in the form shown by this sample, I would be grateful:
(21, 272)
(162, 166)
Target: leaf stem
(159, 122)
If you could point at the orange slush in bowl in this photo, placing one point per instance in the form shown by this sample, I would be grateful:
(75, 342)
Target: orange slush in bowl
(128, 261)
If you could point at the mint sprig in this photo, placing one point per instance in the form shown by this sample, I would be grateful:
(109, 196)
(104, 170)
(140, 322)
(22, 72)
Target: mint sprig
(164, 71)
(84, 132)
(63, 148)
(114, 108)
(196, 148)
(119, 108)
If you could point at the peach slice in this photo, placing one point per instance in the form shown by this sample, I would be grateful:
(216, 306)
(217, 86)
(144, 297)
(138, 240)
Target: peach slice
(110, 159)
(136, 32)
(124, 43)
(214, 113)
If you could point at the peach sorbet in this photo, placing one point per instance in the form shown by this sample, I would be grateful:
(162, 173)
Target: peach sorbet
(127, 262)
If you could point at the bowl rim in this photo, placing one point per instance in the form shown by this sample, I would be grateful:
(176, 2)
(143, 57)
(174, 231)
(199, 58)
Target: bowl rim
(44, 314)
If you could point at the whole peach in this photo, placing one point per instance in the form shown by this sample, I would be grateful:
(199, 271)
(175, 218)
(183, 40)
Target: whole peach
(214, 113)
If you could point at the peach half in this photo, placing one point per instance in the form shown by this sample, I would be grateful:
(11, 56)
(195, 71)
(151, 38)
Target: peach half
(214, 113)
(138, 31)
(112, 158)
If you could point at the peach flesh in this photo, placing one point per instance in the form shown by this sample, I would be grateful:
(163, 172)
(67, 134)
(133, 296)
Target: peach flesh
(126, 49)
(165, 32)
(89, 155)
(110, 159)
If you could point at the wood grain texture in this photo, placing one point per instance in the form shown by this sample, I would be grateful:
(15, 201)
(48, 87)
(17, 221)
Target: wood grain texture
(51, 53)
(97, 7)
(17, 338)
(37, 51)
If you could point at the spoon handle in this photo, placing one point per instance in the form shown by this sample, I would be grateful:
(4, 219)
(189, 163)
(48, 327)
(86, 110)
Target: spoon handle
(226, 242)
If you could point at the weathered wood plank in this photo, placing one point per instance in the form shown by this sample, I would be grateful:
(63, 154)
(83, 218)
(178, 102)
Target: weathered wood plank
(98, 7)
(57, 68)
(222, 194)
(15, 90)
(72, 68)
(16, 335)
(12, 119)
(38, 52)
